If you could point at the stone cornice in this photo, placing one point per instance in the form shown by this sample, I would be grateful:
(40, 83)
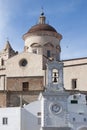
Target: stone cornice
(43, 33)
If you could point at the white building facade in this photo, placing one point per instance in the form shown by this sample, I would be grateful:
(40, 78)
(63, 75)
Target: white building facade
(38, 70)
(24, 74)
(55, 108)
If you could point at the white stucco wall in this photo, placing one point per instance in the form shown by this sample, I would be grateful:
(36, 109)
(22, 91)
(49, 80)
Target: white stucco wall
(25, 118)
(80, 106)
(13, 116)
(77, 112)
(30, 117)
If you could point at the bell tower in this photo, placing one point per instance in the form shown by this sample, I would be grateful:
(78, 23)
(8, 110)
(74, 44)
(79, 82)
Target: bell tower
(54, 99)
(54, 76)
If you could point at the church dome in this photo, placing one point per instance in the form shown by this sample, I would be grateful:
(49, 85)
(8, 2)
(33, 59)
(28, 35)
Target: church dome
(43, 39)
(41, 27)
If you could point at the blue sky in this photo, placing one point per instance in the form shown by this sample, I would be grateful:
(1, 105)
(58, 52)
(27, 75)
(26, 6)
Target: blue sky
(68, 17)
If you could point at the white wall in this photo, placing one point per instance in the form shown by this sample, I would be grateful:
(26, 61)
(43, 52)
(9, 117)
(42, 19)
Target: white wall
(13, 116)
(30, 117)
(25, 118)
(77, 111)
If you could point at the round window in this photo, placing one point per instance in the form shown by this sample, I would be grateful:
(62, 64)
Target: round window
(23, 62)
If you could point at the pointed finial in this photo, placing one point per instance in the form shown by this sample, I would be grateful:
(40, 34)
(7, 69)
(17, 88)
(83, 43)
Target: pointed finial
(42, 12)
(42, 18)
(7, 44)
(7, 40)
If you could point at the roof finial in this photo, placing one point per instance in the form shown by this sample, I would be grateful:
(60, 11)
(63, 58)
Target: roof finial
(7, 39)
(42, 12)
(42, 17)
(7, 44)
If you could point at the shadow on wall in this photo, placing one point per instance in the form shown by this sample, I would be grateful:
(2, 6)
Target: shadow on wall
(29, 121)
(15, 100)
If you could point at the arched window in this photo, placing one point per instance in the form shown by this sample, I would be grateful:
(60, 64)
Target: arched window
(35, 45)
(49, 45)
(36, 48)
(49, 50)
(55, 76)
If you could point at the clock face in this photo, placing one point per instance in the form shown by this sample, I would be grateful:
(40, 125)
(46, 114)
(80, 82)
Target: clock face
(55, 108)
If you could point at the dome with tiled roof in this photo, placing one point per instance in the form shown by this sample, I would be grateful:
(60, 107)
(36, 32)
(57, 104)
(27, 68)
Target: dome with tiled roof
(43, 39)
(42, 29)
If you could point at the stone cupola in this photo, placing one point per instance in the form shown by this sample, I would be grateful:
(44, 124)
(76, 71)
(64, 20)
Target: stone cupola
(43, 39)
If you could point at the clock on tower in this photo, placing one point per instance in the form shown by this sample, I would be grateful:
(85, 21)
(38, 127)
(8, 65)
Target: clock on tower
(54, 99)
